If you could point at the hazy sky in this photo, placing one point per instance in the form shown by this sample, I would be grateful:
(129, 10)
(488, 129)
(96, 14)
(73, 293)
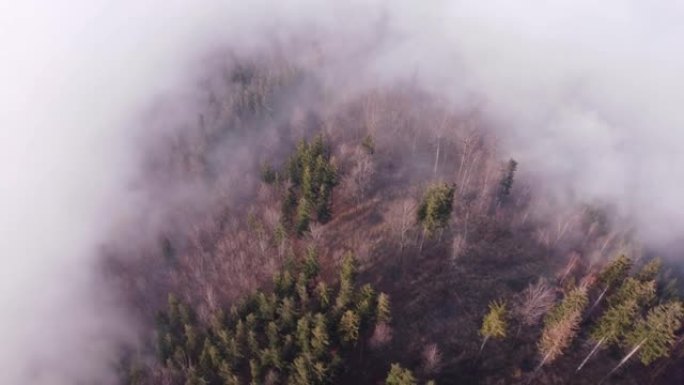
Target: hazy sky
(586, 94)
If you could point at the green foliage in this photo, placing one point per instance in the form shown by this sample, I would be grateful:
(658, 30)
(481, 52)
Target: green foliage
(344, 296)
(506, 183)
(290, 334)
(616, 271)
(319, 336)
(302, 289)
(349, 327)
(650, 271)
(641, 292)
(400, 376)
(268, 174)
(323, 295)
(365, 303)
(255, 87)
(383, 309)
(284, 283)
(656, 334)
(311, 266)
(288, 207)
(494, 324)
(193, 378)
(573, 304)
(303, 217)
(368, 144)
(302, 333)
(349, 268)
(435, 208)
(313, 178)
(561, 324)
(615, 323)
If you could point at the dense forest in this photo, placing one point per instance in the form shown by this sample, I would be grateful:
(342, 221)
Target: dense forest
(302, 232)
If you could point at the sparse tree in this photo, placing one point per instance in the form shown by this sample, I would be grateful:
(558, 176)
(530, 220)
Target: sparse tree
(535, 301)
(432, 358)
(360, 176)
(382, 335)
(401, 217)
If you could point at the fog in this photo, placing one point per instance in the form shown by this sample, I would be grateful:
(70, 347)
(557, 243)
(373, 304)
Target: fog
(586, 96)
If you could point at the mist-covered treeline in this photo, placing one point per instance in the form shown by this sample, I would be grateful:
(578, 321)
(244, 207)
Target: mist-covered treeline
(490, 281)
(506, 173)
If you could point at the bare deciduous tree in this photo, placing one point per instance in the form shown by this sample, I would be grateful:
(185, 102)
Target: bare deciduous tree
(316, 233)
(432, 358)
(457, 246)
(382, 335)
(361, 175)
(402, 219)
(534, 302)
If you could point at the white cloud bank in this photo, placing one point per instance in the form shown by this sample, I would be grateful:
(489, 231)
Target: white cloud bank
(585, 94)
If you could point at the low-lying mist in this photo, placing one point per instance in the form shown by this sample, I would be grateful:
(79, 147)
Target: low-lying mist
(585, 96)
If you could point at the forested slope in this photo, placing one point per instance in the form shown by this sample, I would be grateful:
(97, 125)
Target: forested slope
(288, 214)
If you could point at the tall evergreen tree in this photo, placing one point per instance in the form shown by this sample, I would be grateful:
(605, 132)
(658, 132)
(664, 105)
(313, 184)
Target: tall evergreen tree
(616, 271)
(656, 334)
(506, 183)
(612, 327)
(349, 327)
(383, 309)
(319, 336)
(323, 295)
(436, 206)
(561, 324)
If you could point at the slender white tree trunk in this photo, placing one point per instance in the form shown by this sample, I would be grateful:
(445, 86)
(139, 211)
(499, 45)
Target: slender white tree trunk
(591, 353)
(439, 142)
(598, 300)
(484, 341)
(624, 360)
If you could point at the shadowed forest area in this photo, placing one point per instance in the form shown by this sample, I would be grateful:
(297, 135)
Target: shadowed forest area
(299, 232)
